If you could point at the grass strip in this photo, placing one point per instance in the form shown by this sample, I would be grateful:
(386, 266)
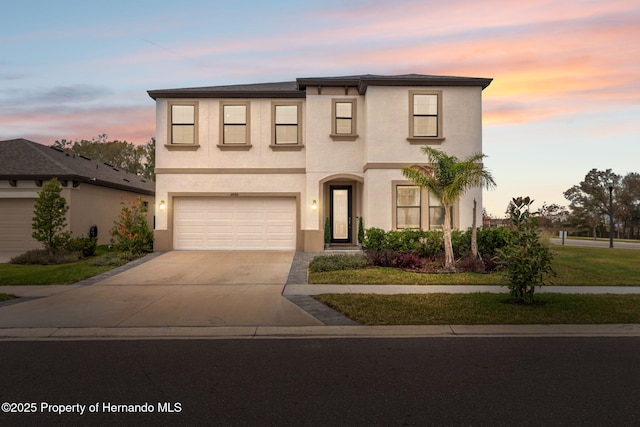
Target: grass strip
(6, 297)
(484, 309)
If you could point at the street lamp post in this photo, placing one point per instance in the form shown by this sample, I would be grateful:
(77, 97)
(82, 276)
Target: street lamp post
(611, 216)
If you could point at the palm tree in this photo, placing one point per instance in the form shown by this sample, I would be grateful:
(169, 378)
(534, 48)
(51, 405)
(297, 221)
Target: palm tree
(448, 178)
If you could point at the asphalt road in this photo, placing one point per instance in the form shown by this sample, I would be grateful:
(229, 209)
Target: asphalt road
(596, 243)
(330, 382)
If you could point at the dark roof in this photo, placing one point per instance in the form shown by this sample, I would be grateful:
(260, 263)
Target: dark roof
(23, 159)
(297, 89)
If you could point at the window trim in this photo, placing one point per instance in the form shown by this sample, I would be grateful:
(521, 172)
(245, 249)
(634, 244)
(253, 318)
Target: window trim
(344, 136)
(181, 146)
(425, 208)
(286, 147)
(412, 138)
(418, 206)
(235, 146)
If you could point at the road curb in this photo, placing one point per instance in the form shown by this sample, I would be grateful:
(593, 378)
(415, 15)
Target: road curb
(318, 332)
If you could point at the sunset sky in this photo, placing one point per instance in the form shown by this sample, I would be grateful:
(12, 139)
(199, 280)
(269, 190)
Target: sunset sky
(565, 97)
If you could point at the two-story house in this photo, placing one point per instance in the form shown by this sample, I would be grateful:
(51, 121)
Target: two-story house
(261, 166)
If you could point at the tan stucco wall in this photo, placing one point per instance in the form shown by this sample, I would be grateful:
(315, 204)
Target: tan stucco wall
(372, 161)
(94, 205)
(88, 205)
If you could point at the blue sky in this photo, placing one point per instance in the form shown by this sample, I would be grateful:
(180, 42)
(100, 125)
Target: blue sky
(565, 96)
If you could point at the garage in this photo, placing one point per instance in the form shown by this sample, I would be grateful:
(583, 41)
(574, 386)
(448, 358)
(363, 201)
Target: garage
(16, 225)
(234, 223)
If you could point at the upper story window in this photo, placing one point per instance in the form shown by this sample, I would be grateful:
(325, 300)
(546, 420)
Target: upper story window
(287, 126)
(234, 126)
(183, 125)
(344, 119)
(425, 116)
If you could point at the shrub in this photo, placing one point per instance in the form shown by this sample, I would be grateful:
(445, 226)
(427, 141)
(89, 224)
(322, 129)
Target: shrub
(131, 232)
(381, 257)
(113, 259)
(375, 239)
(85, 245)
(461, 242)
(407, 260)
(337, 262)
(492, 239)
(526, 261)
(44, 257)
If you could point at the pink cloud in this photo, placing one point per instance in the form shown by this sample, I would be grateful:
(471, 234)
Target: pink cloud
(133, 124)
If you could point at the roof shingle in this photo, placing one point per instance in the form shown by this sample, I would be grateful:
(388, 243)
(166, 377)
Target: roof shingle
(24, 159)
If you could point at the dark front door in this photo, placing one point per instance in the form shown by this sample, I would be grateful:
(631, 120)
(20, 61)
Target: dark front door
(340, 214)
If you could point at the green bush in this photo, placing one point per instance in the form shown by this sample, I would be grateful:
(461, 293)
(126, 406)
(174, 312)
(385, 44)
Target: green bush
(113, 259)
(131, 232)
(526, 261)
(44, 257)
(337, 262)
(375, 239)
(492, 239)
(85, 245)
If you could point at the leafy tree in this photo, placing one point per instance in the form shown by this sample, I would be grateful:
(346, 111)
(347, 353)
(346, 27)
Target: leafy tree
(137, 159)
(526, 261)
(627, 208)
(131, 232)
(448, 178)
(552, 217)
(50, 219)
(590, 199)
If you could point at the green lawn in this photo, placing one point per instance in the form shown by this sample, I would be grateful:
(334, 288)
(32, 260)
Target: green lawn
(62, 274)
(575, 266)
(484, 309)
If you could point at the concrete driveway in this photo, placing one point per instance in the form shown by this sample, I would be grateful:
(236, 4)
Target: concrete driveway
(178, 288)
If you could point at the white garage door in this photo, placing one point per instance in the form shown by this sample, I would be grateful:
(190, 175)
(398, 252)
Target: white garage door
(234, 223)
(16, 218)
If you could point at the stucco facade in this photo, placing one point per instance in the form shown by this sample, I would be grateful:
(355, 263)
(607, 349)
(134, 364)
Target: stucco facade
(354, 135)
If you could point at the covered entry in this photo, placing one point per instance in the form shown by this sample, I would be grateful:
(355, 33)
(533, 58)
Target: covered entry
(342, 206)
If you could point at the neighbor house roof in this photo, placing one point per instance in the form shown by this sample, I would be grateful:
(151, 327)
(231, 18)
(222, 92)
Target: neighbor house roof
(24, 159)
(297, 89)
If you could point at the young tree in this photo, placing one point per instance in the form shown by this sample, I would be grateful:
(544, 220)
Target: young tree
(448, 178)
(526, 261)
(50, 219)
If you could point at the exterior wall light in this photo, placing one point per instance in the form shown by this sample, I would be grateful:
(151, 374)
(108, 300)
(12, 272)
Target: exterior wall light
(162, 206)
(314, 205)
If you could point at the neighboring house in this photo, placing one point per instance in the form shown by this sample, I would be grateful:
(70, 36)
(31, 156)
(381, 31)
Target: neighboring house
(93, 191)
(261, 166)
